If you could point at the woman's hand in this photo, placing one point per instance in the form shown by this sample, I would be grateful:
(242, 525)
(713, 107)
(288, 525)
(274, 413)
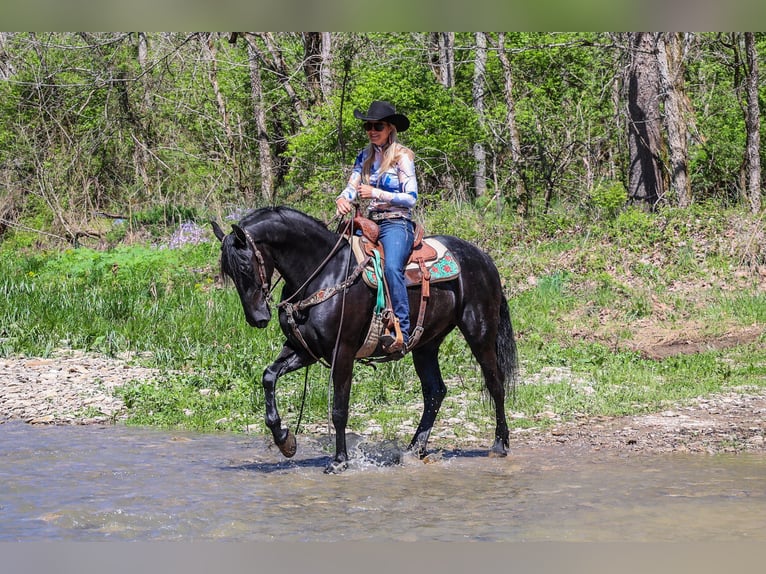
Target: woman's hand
(366, 191)
(343, 206)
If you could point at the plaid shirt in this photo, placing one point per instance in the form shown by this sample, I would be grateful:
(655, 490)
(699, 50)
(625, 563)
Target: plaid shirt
(398, 184)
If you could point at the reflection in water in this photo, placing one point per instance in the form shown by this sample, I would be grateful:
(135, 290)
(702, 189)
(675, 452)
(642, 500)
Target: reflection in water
(118, 483)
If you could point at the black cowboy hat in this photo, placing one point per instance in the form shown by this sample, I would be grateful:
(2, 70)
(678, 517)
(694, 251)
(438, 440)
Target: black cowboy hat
(381, 111)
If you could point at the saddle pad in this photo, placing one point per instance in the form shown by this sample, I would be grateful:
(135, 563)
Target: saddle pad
(443, 268)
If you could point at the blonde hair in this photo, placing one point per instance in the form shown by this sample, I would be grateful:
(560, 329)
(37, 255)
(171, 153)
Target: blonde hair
(390, 156)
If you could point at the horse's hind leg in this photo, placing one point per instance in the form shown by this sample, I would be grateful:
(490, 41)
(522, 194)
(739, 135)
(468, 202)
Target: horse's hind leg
(494, 379)
(426, 361)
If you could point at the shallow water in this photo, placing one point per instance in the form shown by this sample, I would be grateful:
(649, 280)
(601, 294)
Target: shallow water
(120, 483)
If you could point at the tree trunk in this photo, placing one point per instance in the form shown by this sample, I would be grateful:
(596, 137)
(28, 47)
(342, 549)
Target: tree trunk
(752, 125)
(670, 59)
(645, 183)
(141, 143)
(276, 64)
(479, 78)
(312, 64)
(317, 59)
(211, 56)
(325, 74)
(617, 142)
(520, 197)
(444, 62)
(279, 67)
(6, 65)
(143, 50)
(265, 162)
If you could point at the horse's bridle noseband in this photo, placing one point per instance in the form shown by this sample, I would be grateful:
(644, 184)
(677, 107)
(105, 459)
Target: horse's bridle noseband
(259, 265)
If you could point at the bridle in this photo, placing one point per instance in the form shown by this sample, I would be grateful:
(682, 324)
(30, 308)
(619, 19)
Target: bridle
(322, 295)
(260, 266)
(288, 305)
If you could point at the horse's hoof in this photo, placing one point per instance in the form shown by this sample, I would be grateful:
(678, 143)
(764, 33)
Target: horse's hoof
(416, 453)
(432, 457)
(499, 449)
(289, 445)
(336, 467)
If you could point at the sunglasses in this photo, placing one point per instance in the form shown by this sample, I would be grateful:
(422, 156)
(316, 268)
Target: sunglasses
(377, 126)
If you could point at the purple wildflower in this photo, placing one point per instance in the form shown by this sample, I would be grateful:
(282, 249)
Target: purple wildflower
(188, 233)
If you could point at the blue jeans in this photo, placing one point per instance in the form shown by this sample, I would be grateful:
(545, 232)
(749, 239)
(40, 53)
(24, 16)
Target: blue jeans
(396, 236)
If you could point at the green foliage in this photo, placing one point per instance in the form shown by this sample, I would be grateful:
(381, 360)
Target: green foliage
(190, 402)
(440, 133)
(161, 217)
(607, 199)
(88, 128)
(719, 119)
(634, 228)
(539, 308)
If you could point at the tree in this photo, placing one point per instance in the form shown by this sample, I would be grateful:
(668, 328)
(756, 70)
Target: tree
(443, 57)
(317, 60)
(752, 125)
(521, 196)
(210, 57)
(325, 72)
(265, 162)
(479, 73)
(645, 181)
(670, 61)
(6, 63)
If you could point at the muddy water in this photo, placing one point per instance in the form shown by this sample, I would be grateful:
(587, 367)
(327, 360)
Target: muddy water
(117, 483)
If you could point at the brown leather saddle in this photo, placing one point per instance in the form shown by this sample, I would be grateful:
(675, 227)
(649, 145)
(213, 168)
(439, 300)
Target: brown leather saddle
(429, 262)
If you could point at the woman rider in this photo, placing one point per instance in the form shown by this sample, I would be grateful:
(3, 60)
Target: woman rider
(384, 173)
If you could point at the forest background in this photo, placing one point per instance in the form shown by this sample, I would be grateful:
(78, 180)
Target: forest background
(614, 177)
(124, 123)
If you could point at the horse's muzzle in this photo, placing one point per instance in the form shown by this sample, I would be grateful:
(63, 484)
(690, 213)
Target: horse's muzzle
(259, 317)
(259, 323)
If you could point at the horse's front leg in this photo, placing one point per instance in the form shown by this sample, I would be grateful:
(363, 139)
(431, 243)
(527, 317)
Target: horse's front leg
(343, 368)
(287, 361)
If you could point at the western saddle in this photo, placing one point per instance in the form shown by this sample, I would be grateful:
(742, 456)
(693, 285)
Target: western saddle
(429, 261)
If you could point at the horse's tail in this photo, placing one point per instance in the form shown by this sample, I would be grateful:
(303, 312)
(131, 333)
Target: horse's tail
(505, 346)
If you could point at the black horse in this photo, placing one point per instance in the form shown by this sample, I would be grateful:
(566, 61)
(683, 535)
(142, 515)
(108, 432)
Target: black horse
(316, 262)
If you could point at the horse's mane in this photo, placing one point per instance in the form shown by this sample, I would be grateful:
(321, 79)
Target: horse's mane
(234, 262)
(287, 214)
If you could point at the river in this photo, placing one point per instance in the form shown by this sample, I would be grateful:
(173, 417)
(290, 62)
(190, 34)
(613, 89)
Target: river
(88, 483)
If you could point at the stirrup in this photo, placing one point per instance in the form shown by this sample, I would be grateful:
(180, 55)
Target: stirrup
(389, 344)
(392, 345)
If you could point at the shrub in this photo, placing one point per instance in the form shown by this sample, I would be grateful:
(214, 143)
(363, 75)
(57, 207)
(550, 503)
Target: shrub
(607, 199)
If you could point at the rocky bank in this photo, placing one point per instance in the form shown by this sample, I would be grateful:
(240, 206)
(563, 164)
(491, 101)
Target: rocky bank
(77, 388)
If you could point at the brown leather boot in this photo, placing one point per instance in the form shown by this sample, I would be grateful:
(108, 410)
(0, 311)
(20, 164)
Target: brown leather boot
(391, 344)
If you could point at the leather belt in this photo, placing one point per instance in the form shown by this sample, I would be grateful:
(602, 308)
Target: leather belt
(381, 215)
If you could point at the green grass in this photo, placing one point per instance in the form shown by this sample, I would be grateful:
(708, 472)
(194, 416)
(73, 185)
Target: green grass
(577, 290)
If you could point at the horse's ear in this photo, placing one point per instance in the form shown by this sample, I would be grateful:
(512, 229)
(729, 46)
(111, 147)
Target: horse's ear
(217, 230)
(240, 235)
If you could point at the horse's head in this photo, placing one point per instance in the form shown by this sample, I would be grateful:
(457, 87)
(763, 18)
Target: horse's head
(245, 264)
